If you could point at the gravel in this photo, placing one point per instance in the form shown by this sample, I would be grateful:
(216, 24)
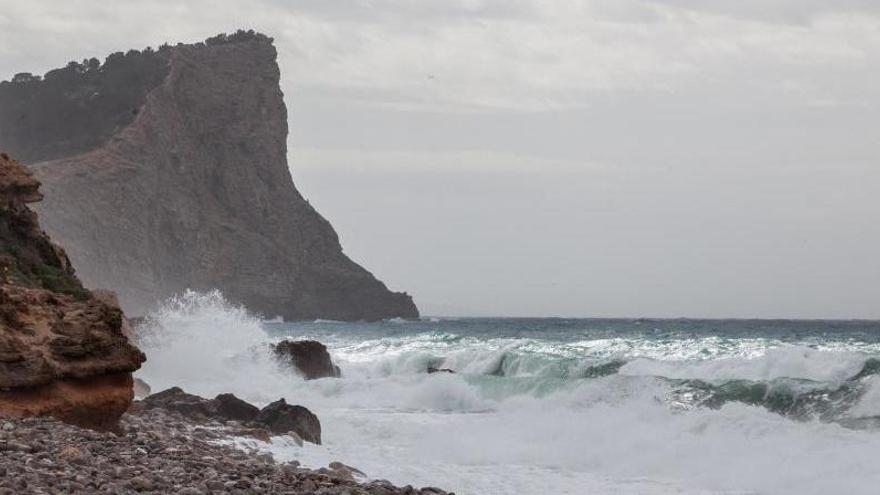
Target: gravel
(161, 452)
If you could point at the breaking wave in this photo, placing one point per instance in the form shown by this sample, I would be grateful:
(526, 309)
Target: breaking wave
(533, 411)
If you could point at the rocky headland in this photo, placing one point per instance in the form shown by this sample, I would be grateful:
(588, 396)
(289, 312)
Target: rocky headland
(167, 169)
(68, 422)
(63, 352)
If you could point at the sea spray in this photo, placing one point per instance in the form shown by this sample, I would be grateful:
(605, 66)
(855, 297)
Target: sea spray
(555, 406)
(206, 345)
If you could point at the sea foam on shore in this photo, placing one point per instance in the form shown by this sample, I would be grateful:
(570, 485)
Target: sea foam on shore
(560, 406)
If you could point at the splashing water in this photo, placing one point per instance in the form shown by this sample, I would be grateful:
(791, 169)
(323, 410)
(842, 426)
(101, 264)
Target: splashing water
(556, 406)
(208, 346)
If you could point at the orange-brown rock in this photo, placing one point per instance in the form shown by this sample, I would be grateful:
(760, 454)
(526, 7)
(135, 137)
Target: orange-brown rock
(62, 350)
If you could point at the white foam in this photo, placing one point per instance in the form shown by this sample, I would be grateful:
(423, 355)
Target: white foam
(868, 405)
(204, 344)
(600, 436)
(781, 362)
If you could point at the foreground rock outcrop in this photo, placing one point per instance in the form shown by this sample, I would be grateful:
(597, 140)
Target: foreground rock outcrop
(159, 453)
(278, 417)
(281, 417)
(62, 350)
(309, 357)
(167, 169)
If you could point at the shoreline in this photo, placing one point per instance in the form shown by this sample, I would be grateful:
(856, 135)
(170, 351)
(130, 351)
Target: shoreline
(158, 451)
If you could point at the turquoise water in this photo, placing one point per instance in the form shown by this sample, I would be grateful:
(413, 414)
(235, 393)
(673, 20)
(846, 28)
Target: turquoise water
(562, 406)
(803, 369)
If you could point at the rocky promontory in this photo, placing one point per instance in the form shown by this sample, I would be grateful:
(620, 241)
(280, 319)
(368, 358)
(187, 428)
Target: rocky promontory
(167, 169)
(62, 349)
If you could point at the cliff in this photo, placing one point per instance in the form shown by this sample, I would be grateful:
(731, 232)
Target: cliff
(167, 169)
(62, 350)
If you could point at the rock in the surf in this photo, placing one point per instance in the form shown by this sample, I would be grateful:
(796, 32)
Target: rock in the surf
(281, 417)
(309, 357)
(432, 370)
(231, 407)
(175, 399)
(224, 407)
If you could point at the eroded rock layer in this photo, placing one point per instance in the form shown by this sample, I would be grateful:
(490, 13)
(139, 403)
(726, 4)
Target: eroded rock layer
(62, 350)
(167, 169)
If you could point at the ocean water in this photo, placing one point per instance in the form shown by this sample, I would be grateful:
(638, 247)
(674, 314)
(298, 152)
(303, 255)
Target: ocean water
(568, 406)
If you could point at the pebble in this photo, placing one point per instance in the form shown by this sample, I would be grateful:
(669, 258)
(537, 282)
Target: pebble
(160, 452)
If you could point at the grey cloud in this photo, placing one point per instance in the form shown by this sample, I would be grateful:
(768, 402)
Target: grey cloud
(538, 157)
(780, 11)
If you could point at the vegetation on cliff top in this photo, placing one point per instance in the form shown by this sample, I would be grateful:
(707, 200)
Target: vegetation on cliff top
(78, 107)
(27, 257)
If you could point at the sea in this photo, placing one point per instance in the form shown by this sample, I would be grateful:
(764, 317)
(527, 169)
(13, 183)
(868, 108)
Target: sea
(554, 405)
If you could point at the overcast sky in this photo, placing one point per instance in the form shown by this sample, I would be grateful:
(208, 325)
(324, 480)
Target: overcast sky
(561, 158)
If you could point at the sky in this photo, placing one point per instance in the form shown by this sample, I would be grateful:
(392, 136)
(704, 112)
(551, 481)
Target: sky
(600, 158)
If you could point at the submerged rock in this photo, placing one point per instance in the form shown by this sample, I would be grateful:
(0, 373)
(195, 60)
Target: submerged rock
(309, 357)
(281, 417)
(62, 349)
(432, 370)
(231, 407)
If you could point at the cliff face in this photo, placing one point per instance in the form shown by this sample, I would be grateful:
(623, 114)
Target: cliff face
(62, 350)
(181, 181)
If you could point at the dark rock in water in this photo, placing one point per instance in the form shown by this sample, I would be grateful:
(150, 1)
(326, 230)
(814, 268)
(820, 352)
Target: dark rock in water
(162, 165)
(224, 407)
(280, 417)
(498, 368)
(175, 399)
(231, 407)
(309, 357)
(432, 370)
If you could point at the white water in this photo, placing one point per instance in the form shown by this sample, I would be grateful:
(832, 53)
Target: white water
(479, 434)
(779, 362)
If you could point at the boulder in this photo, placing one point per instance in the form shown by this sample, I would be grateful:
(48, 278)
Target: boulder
(309, 357)
(175, 399)
(229, 406)
(62, 349)
(280, 417)
(224, 407)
